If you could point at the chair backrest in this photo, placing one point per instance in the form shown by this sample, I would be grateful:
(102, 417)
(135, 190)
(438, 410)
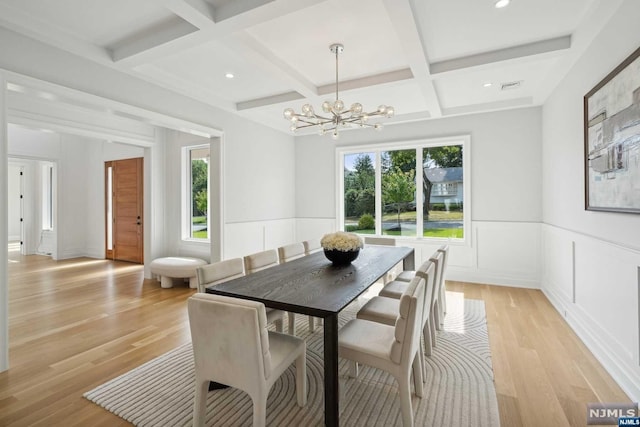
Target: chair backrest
(382, 241)
(260, 261)
(445, 260)
(312, 246)
(429, 272)
(438, 259)
(230, 339)
(219, 272)
(408, 324)
(291, 252)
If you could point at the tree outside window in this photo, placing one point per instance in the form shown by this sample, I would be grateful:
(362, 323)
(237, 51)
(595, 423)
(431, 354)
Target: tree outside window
(438, 212)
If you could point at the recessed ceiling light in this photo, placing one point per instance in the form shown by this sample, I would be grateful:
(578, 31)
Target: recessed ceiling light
(229, 75)
(502, 3)
(487, 84)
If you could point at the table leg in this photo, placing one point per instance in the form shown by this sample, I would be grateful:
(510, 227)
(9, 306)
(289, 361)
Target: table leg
(331, 390)
(408, 263)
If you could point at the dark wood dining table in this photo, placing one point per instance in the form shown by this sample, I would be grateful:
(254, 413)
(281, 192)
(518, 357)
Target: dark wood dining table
(313, 286)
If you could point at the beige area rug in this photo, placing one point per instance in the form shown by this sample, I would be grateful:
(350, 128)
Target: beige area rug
(459, 389)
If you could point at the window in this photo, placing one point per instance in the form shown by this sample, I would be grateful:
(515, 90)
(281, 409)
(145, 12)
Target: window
(47, 195)
(383, 192)
(196, 172)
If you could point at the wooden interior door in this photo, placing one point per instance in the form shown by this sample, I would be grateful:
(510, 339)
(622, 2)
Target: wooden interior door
(126, 216)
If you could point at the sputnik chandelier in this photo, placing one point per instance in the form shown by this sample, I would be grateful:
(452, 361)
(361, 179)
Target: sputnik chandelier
(335, 116)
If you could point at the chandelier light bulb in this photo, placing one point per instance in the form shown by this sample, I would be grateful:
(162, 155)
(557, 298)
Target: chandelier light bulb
(390, 111)
(382, 109)
(288, 113)
(307, 108)
(293, 128)
(356, 108)
(326, 106)
(294, 119)
(338, 106)
(365, 118)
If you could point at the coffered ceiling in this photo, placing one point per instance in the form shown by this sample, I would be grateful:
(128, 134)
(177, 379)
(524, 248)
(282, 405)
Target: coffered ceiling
(427, 58)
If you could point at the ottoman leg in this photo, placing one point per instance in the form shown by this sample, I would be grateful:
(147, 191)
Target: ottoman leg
(166, 282)
(193, 282)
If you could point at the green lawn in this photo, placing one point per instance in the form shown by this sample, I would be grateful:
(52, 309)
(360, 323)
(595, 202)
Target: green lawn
(448, 233)
(202, 234)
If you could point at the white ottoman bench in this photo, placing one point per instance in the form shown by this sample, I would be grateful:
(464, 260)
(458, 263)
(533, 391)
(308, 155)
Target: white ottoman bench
(170, 268)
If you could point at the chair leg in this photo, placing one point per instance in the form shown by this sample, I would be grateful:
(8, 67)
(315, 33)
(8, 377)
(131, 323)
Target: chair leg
(417, 374)
(404, 387)
(200, 402)
(292, 323)
(353, 369)
(432, 328)
(312, 324)
(426, 333)
(439, 317)
(279, 325)
(259, 411)
(301, 379)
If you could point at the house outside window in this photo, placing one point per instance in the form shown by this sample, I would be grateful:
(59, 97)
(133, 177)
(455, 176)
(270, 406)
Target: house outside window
(382, 192)
(196, 192)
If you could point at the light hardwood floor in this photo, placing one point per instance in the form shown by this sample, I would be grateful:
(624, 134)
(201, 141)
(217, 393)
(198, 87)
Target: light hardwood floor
(77, 323)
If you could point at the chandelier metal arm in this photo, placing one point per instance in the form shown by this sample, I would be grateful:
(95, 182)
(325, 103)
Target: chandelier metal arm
(339, 116)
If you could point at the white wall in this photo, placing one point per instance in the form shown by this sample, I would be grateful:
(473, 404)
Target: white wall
(591, 259)
(506, 206)
(79, 216)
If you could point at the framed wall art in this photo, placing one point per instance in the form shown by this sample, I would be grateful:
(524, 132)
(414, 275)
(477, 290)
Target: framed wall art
(612, 140)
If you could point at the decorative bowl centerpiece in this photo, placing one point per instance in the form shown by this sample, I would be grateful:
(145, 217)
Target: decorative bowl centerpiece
(341, 248)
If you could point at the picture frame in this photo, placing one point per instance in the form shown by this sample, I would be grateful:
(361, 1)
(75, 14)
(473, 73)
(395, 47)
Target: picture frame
(612, 140)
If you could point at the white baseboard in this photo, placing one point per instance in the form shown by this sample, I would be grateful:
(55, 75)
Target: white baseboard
(462, 274)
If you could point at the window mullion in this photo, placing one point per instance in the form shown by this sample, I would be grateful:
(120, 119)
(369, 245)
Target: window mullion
(419, 193)
(378, 193)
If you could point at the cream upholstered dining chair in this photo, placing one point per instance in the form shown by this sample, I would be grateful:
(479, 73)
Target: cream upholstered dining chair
(443, 284)
(289, 253)
(436, 320)
(222, 271)
(232, 346)
(260, 261)
(441, 287)
(394, 349)
(385, 241)
(312, 246)
(385, 310)
(219, 272)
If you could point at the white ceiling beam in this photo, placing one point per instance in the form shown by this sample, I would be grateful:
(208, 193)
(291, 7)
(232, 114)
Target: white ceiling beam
(363, 82)
(24, 23)
(514, 52)
(263, 12)
(198, 13)
(406, 27)
(234, 8)
(269, 100)
(345, 86)
(161, 34)
(526, 101)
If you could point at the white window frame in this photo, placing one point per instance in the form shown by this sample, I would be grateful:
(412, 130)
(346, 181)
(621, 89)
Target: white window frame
(48, 195)
(187, 203)
(377, 149)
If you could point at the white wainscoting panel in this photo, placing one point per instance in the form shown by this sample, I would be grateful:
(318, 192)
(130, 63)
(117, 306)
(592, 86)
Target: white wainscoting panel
(605, 313)
(244, 238)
